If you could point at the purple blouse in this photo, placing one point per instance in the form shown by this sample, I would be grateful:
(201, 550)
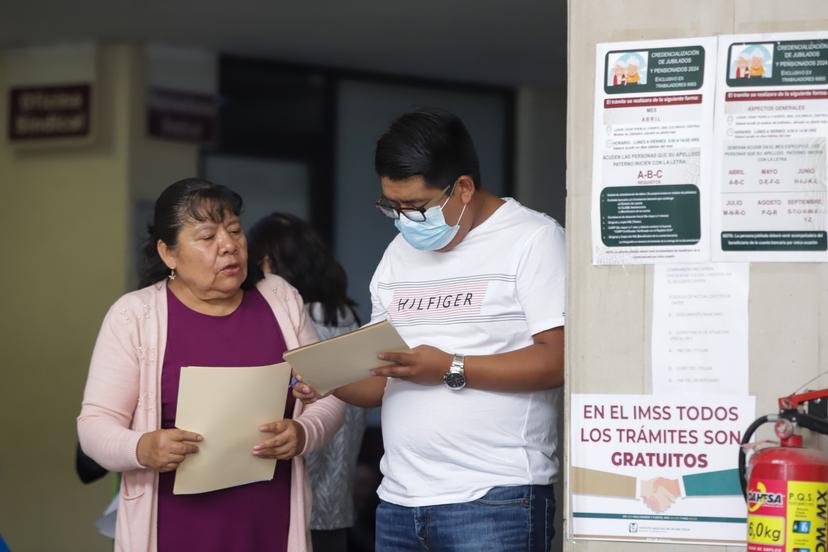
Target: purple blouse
(252, 517)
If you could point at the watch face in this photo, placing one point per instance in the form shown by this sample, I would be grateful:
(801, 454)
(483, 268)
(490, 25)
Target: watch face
(455, 381)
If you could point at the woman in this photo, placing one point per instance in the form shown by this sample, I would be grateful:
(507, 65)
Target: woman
(287, 246)
(195, 310)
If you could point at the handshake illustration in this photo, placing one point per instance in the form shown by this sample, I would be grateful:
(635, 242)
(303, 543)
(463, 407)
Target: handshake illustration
(659, 493)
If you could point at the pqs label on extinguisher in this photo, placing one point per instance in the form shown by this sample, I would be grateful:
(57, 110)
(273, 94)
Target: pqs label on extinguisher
(788, 517)
(807, 515)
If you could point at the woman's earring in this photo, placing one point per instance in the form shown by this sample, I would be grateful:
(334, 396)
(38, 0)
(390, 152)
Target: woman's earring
(172, 274)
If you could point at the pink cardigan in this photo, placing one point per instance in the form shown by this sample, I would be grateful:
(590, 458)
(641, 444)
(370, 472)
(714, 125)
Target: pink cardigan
(122, 401)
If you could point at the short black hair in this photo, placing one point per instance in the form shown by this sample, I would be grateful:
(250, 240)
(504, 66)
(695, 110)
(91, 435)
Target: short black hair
(431, 143)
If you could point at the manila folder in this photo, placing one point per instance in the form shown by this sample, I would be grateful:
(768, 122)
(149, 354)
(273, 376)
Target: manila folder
(226, 406)
(347, 358)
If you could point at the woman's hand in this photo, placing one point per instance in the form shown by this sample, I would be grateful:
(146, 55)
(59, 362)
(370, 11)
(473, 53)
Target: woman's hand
(287, 442)
(425, 365)
(304, 392)
(164, 449)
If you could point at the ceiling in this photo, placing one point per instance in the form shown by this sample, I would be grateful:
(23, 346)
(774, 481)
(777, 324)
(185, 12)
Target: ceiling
(489, 41)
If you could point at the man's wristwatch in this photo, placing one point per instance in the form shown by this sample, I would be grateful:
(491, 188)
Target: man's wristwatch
(455, 378)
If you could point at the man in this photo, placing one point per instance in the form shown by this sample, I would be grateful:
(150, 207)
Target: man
(475, 285)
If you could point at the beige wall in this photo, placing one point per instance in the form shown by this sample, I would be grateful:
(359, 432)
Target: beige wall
(63, 233)
(66, 234)
(609, 307)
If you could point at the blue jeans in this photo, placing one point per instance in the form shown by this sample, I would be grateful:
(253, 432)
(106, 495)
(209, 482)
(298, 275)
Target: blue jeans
(507, 519)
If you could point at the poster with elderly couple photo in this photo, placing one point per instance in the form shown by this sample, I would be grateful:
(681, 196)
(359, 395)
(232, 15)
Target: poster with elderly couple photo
(769, 188)
(652, 151)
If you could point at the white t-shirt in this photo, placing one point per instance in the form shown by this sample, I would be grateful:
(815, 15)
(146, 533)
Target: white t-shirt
(490, 294)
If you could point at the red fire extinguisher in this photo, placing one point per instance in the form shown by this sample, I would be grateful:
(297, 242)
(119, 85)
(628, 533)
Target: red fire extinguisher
(787, 486)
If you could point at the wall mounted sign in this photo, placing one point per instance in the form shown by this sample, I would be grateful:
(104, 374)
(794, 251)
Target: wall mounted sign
(650, 468)
(770, 190)
(48, 112)
(651, 152)
(181, 116)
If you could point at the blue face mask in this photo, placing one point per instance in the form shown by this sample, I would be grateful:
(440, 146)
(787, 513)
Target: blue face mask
(431, 234)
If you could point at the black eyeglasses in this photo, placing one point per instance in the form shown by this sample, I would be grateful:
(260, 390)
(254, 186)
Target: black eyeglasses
(416, 214)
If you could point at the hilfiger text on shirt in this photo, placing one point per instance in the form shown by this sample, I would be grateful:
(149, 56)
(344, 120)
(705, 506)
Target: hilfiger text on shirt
(432, 302)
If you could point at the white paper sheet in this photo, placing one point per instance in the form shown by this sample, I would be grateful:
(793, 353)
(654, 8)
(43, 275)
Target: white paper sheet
(700, 328)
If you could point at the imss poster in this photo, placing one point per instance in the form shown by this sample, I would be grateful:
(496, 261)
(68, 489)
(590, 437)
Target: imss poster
(652, 151)
(771, 128)
(648, 468)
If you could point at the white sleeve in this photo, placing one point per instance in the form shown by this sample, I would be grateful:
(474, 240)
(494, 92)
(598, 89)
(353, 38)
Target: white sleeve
(378, 312)
(541, 279)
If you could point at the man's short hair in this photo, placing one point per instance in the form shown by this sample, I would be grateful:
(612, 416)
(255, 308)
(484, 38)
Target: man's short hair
(430, 143)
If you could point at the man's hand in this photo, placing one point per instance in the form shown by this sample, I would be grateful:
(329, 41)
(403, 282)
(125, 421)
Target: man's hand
(425, 365)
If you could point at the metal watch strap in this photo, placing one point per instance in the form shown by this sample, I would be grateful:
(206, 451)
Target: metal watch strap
(458, 364)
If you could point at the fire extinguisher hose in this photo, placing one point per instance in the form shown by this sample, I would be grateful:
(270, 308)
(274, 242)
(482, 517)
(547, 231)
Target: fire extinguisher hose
(742, 456)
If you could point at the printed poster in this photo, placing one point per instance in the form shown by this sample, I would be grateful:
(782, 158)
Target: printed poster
(771, 127)
(652, 151)
(649, 468)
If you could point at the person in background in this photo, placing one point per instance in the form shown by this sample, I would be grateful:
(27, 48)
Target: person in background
(474, 284)
(196, 307)
(287, 246)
